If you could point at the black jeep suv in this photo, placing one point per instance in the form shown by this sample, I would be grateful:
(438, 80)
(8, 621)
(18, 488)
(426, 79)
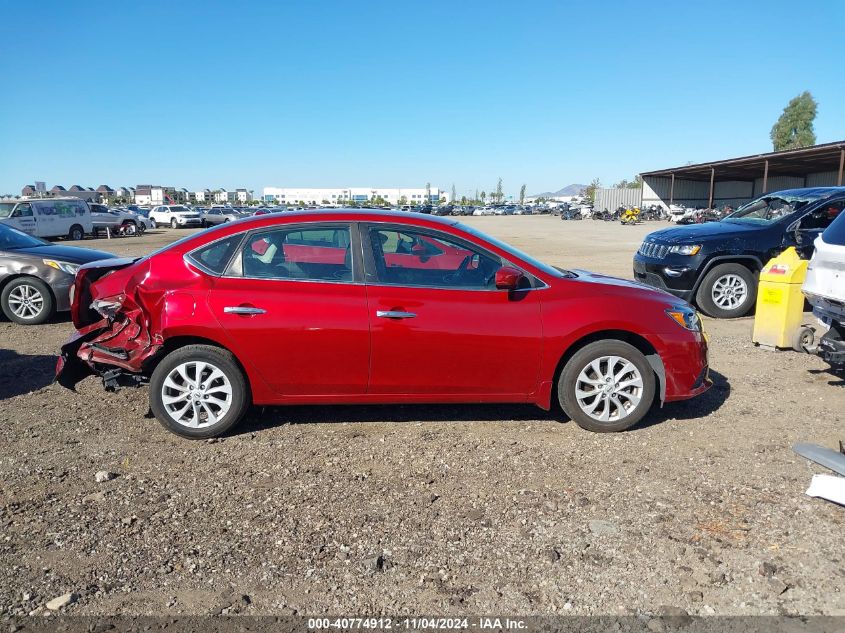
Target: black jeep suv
(716, 264)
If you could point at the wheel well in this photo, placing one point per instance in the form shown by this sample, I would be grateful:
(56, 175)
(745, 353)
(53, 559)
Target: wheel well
(635, 340)
(176, 342)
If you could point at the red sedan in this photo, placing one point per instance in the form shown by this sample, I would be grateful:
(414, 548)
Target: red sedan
(364, 306)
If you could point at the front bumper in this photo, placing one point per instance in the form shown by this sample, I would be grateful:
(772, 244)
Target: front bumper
(189, 221)
(673, 277)
(685, 359)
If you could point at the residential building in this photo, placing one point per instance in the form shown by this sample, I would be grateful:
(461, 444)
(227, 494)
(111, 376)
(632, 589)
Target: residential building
(355, 195)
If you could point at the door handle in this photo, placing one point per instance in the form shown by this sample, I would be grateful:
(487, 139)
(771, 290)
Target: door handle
(395, 314)
(248, 310)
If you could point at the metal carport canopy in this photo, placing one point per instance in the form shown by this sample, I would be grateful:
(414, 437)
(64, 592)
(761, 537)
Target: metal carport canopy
(793, 162)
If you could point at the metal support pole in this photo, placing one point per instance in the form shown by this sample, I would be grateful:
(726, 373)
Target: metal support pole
(712, 178)
(841, 165)
(765, 178)
(672, 191)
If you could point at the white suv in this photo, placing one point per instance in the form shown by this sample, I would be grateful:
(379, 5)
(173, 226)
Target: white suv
(174, 216)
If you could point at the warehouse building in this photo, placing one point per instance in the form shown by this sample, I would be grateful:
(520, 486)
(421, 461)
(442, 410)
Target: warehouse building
(737, 180)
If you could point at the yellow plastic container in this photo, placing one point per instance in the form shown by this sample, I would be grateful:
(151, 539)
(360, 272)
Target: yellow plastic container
(780, 304)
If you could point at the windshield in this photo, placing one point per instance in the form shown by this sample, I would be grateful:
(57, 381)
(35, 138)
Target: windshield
(549, 270)
(6, 209)
(179, 209)
(768, 209)
(11, 239)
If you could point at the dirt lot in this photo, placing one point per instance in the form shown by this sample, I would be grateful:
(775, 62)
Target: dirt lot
(421, 509)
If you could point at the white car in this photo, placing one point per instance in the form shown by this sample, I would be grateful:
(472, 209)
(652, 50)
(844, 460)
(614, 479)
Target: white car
(824, 287)
(175, 216)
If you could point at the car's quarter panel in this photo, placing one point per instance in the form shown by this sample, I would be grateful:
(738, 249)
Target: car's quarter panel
(311, 339)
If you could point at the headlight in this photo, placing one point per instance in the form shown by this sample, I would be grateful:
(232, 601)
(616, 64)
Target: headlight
(65, 267)
(685, 249)
(685, 317)
(108, 307)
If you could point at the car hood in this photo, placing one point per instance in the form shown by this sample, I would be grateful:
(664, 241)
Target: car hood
(615, 285)
(72, 254)
(692, 232)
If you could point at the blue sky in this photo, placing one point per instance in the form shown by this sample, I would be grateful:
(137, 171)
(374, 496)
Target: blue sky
(397, 93)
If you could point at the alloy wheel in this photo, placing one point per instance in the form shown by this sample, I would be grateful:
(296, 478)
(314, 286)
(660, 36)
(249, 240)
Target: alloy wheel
(26, 301)
(609, 388)
(196, 394)
(729, 291)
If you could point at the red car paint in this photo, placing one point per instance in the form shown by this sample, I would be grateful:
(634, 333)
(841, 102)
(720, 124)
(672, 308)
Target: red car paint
(319, 341)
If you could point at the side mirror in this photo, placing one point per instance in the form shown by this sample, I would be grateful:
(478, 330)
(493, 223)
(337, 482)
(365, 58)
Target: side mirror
(508, 278)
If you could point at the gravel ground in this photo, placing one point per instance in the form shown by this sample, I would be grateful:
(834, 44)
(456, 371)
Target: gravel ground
(423, 509)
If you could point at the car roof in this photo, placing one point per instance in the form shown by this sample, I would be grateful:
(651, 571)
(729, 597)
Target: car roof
(350, 215)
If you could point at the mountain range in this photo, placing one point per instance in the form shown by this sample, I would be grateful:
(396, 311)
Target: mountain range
(568, 190)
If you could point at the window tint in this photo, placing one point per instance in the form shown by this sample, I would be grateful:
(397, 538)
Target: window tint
(321, 253)
(215, 257)
(23, 211)
(835, 233)
(410, 258)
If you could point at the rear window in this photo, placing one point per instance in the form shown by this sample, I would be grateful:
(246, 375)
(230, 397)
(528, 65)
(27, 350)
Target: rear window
(835, 233)
(215, 256)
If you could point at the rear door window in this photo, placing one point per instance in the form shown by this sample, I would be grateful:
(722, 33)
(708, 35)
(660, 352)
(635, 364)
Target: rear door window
(320, 253)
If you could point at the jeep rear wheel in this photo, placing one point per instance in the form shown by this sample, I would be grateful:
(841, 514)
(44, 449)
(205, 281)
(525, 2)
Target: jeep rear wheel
(727, 291)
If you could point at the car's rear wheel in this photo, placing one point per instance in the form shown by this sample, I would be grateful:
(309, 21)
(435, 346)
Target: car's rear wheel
(728, 291)
(76, 233)
(606, 386)
(198, 391)
(27, 300)
(173, 223)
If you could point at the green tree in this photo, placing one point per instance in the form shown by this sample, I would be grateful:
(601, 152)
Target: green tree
(483, 196)
(794, 128)
(522, 194)
(590, 191)
(498, 195)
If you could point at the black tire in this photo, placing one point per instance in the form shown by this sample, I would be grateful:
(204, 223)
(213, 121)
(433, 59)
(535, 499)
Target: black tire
(220, 359)
(141, 229)
(153, 224)
(704, 295)
(76, 233)
(25, 287)
(581, 361)
(204, 224)
(173, 223)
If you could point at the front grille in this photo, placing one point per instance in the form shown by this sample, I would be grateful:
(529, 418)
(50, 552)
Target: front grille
(653, 249)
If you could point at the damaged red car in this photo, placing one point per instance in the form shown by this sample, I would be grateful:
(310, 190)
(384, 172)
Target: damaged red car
(357, 306)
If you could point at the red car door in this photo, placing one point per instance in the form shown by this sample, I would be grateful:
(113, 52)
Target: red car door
(441, 328)
(293, 308)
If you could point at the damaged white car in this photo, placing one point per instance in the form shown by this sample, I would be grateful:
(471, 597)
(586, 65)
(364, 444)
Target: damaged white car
(824, 287)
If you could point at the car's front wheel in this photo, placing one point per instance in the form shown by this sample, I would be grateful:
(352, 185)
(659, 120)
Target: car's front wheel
(728, 291)
(173, 223)
(606, 386)
(27, 300)
(198, 392)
